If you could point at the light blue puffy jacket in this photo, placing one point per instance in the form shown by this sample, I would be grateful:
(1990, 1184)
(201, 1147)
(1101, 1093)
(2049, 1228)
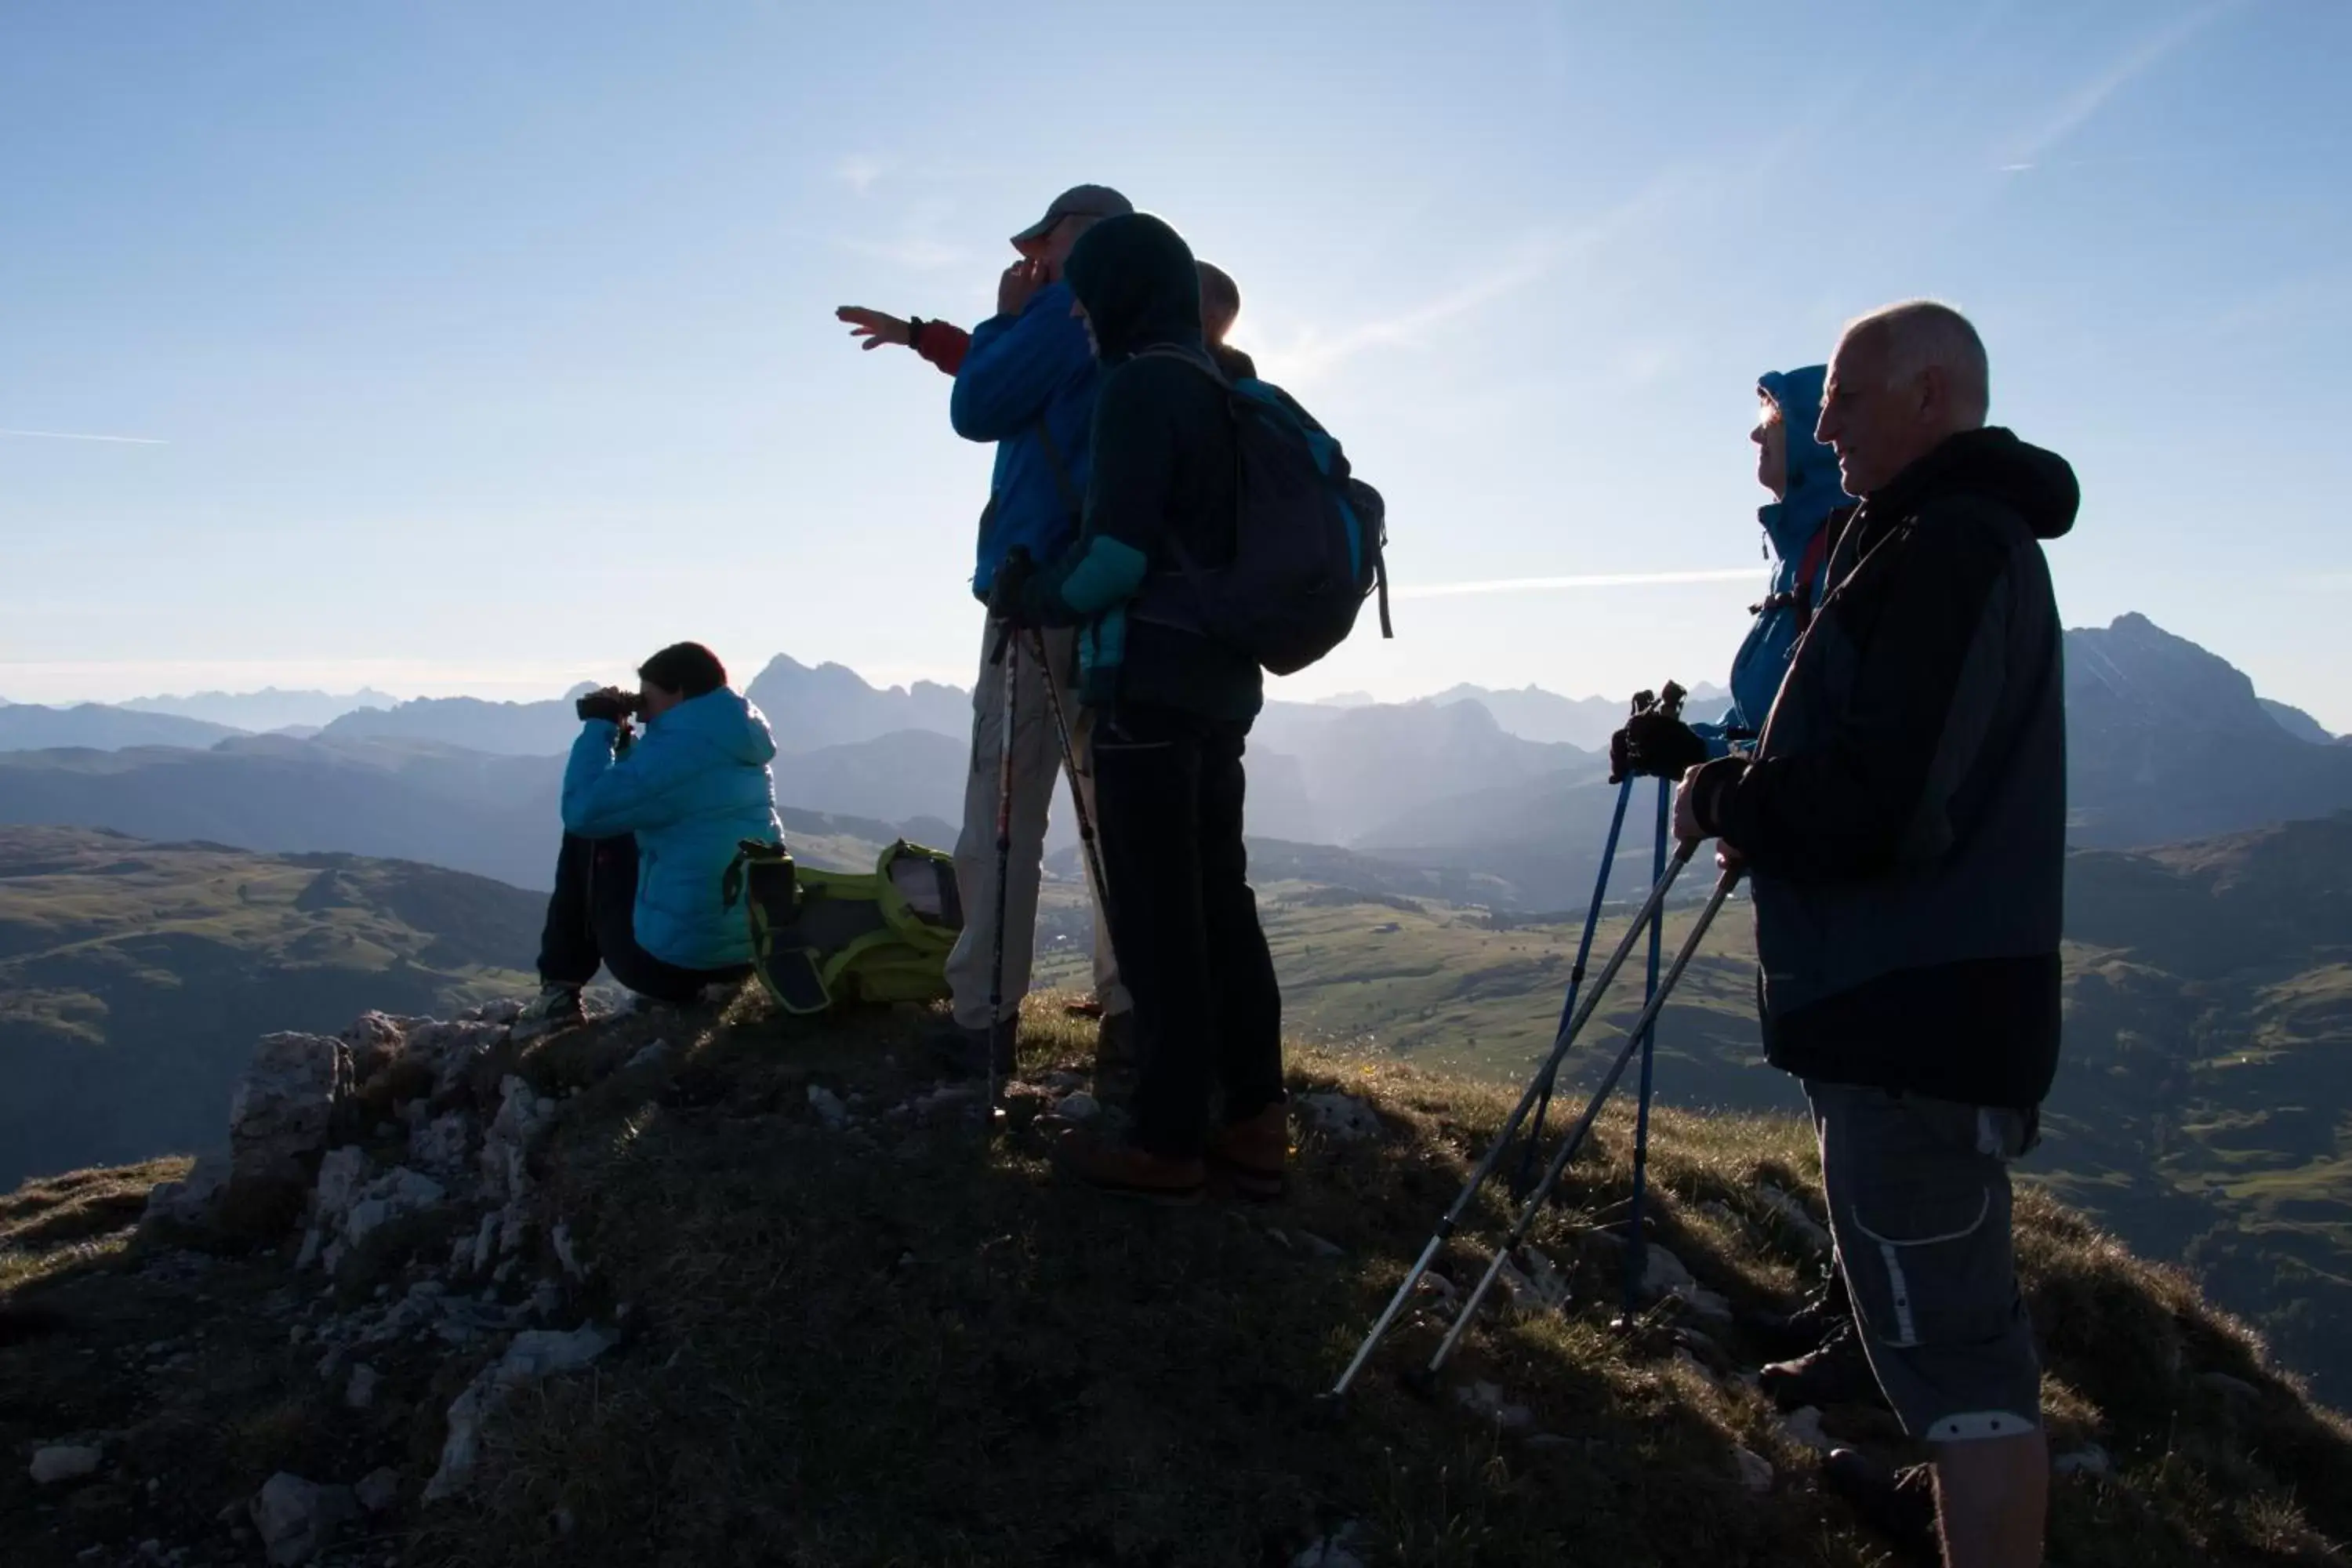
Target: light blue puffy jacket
(695, 784)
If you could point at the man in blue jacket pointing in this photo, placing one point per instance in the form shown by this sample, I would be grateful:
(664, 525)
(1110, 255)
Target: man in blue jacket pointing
(1027, 384)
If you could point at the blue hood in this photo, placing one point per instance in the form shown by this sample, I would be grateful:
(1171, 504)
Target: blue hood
(1815, 487)
(724, 721)
(1791, 524)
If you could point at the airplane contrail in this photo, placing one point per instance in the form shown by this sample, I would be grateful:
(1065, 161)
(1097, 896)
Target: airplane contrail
(76, 435)
(1584, 580)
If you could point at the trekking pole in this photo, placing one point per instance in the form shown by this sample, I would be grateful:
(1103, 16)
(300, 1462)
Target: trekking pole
(1448, 1222)
(1670, 703)
(1635, 1246)
(1534, 1206)
(1101, 883)
(1008, 652)
(1524, 1176)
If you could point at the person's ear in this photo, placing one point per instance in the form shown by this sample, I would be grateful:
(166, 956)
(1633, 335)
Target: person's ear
(1935, 394)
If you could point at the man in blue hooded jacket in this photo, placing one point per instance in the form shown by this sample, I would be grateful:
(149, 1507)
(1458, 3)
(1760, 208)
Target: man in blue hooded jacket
(1808, 505)
(651, 823)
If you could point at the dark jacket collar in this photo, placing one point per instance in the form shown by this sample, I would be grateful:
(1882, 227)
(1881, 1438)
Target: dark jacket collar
(2038, 485)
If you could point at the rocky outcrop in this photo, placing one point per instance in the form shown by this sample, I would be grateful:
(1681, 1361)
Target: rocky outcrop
(279, 1124)
(397, 1159)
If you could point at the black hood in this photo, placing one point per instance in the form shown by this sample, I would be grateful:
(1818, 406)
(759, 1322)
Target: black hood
(1992, 462)
(1140, 284)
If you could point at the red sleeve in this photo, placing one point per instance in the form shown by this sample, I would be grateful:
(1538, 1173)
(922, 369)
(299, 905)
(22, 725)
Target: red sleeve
(942, 343)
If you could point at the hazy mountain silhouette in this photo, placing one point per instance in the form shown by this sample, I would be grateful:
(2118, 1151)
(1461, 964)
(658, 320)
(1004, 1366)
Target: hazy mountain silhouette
(808, 709)
(403, 799)
(2169, 742)
(908, 773)
(1533, 713)
(2166, 742)
(505, 728)
(26, 726)
(832, 705)
(265, 710)
(2296, 723)
(1360, 767)
(496, 815)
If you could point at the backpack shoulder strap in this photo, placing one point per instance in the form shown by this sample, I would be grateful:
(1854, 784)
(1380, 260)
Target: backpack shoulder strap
(1208, 367)
(1807, 589)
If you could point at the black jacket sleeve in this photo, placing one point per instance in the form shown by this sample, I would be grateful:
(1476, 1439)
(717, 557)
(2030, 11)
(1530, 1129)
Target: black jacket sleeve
(1874, 790)
(1133, 470)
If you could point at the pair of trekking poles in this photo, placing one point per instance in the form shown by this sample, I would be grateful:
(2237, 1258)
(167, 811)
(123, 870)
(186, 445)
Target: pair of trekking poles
(1538, 1097)
(1007, 653)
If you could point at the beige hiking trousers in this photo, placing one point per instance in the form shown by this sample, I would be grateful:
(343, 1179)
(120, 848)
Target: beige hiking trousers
(1036, 763)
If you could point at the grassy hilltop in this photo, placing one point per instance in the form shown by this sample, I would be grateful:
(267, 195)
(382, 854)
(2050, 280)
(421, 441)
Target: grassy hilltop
(844, 1336)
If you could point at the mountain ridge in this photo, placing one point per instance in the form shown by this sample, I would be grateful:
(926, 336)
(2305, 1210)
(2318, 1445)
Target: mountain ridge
(2168, 741)
(271, 708)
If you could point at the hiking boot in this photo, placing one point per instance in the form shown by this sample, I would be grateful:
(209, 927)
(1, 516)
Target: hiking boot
(1898, 1504)
(1128, 1172)
(1837, 1372)
(964, 1052)
(1785, 1335)
(1250, 1156)
(1084, 1007)
(555, 1007)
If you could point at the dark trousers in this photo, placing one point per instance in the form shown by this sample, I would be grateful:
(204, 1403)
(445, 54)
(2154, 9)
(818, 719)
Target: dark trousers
(591, 920)
(1208, 1012)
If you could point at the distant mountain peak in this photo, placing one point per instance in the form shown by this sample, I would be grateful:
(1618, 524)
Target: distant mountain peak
(2135, 665)
(830, 704)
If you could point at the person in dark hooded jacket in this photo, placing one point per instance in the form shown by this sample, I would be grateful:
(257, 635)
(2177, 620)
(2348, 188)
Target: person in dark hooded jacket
(1904, 815)
(1174, 709)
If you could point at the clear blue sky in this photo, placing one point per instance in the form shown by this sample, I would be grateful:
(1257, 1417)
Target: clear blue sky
(488, 347)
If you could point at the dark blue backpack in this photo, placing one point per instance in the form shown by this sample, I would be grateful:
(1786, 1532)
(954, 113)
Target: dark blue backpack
(1308, 539)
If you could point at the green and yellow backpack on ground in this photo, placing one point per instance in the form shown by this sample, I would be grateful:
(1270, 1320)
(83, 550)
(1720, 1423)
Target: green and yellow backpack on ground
(822, 938)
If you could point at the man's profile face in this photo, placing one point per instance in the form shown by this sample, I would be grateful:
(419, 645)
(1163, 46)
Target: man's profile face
(1055, 248)
(1864, 417)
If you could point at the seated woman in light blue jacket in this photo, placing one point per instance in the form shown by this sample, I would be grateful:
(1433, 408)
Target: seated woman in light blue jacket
(651, 822)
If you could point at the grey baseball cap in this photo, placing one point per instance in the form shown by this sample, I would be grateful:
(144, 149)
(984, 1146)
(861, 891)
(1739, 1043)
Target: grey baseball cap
(1078, 201)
